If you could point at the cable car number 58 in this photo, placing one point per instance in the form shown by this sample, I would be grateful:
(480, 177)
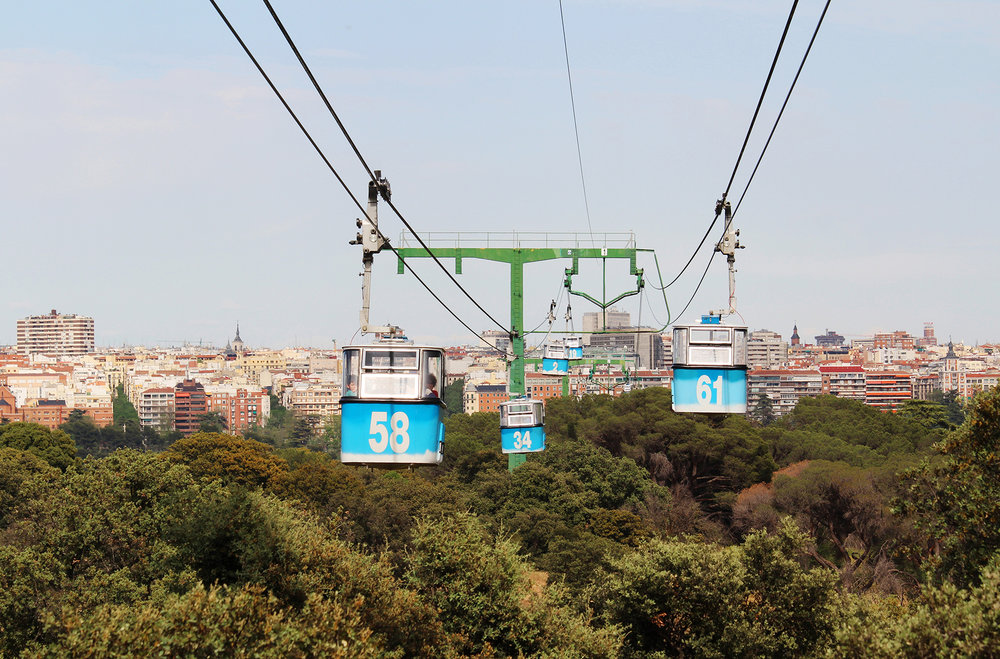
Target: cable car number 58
(394, 434)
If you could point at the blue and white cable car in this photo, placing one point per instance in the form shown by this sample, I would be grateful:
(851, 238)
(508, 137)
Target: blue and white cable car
(574, 347)
(522, 426)
(391, 411)
(710, 367)
(555, 360)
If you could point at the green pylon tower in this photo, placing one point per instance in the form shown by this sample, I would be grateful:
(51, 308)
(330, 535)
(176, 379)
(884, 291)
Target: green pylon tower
(517, 250)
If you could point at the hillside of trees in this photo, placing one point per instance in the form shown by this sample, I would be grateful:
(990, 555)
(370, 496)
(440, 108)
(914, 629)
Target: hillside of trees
(836, 530)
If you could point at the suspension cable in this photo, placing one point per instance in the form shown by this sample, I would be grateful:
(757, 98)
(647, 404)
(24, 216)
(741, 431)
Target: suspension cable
(783, 106)
(576, 127)
(371, 174)
(329, 165)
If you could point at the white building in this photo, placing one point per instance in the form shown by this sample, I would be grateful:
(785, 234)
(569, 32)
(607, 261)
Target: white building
(55, 334)
(766, 349)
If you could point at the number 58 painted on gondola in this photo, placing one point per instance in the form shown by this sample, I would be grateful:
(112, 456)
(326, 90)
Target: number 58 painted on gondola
(394, 433)
(710, 368)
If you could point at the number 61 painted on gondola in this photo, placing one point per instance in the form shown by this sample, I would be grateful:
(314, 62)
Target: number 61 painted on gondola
(710, 368)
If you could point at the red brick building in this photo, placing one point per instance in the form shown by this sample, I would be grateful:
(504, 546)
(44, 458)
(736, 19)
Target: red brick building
(240, 409)
(190, 405)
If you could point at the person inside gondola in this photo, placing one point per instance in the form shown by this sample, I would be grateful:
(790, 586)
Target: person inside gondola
(431, 390)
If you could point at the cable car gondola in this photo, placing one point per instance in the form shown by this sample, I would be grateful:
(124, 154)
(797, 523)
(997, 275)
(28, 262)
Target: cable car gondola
(522, 426)
(555, 360)
(574, 347)
(710, 367)
(391, 413)
(391, 410)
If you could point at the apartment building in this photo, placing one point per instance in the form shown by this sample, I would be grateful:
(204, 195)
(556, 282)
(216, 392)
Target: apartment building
(251, 365)
(887, 390)
(970, 384)
(49, 413)
(484, 397)
(239, 408)
(613, 318)
(156, 408)
(844, 381)
(55, 334)
(190, 405)
(643, 342)
(542, 387)
(783, 387)
(898, 339)
(317, 401)
(766, 349)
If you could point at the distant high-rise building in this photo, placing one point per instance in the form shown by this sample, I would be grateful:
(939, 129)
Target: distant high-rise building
(829, 340)
(56, 334)
(495, 339)
(928, 339)
(766, 349)
(595, 321)
(898, 339)
(644, 343)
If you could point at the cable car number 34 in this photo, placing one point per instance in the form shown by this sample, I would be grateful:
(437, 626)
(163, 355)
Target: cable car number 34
(522, 441)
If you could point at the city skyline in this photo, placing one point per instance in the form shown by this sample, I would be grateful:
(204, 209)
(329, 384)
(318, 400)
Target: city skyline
(174, 196)
(624, 320)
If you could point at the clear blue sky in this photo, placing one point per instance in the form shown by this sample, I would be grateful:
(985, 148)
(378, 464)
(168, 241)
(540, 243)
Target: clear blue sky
(151, 180)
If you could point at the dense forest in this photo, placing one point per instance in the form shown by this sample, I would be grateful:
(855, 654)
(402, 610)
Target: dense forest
(836, 530)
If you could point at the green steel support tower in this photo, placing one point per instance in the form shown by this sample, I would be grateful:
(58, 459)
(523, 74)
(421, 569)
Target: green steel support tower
(516, 250)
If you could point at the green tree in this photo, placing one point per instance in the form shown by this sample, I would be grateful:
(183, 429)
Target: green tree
(942, 621)
(122, 408)
(480, 586)
(840, 429)
(84, 433)
(53, 446)
(231, 458)
(302, 431)
(927, 413)
(763, 410)
(218, 621)
(952, 402)
(684, 597)
(956, 499)
(211, 422)
(845, 509)
(453, 396)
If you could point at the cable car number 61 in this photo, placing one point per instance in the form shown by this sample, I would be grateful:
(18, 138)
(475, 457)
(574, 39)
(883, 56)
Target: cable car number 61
(703, 390)
(393, 435)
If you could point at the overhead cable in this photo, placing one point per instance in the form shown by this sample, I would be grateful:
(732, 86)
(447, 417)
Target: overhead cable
(312, 78)
(330, 165)
(576, 127)
(760, 101)
(783, 106)
(343, 129)
(746, 139)
(696, 288)
(291, 112)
